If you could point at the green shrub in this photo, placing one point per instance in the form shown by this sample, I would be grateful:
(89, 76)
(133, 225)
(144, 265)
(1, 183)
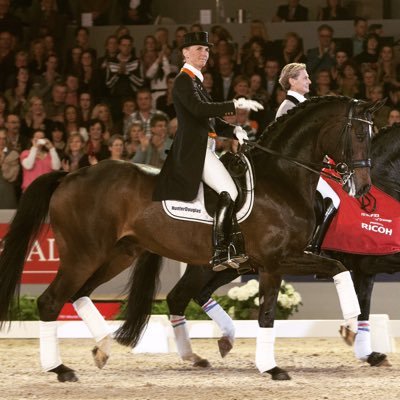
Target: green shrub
(25, 310)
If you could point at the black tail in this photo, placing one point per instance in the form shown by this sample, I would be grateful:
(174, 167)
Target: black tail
(143, 288)
(25, 227)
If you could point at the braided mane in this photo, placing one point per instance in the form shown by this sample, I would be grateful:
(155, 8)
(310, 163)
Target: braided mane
(281, 121)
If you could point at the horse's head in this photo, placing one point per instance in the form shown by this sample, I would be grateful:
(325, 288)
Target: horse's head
(353, 156)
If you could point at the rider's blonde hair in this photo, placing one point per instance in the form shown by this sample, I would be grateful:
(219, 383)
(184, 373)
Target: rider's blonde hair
(290, 71)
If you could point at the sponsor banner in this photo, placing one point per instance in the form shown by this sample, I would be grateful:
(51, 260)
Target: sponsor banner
(42, 263)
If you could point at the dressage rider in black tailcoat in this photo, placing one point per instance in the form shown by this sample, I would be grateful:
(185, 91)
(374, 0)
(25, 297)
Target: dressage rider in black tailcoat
(192, 157)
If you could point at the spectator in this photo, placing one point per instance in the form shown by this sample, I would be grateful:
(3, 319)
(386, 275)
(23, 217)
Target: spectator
(36, 119)
(254, 60)
(145, 111)
(40, 159)
(6, 57)
(59, 138)
(85, 106)
(162, 36)
(256, 90)
(90, 78)
(380, 117)
(270, 80)
(323, 56)
(165, 102)
(360, 26)
(394, 117)
(96, 149)
(37, 58)
(10, 23)
(123, 75)
(323, 84)
(176, 54)
(292, 50)
(388, 70)
(153, 147)
(258, 31)
(333, 11)
(82, 39)
(241, 87)
(223, 79)
(368, 58)
(111, 51)
(249, 125)
(222, 48)
(99, 10)
(128, 108)
(43, 84)
(15, 139)
(3, 110)
(54, 109)
(17, 96)
(72, 123)
(102, 112)
(340, 58)
(136, 12)
(74, 151)
(21, 61)
(368, 82)
(293, 11)
(348, 82)
(73, 61)
(133, 141)
(116, 146)
(9, 171)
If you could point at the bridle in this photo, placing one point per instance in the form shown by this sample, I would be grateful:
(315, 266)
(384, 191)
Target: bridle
(345, 170)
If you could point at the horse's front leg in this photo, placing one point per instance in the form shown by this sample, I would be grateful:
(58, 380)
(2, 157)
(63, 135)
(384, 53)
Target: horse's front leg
(265, 351)
(305, 264)
(364, 285)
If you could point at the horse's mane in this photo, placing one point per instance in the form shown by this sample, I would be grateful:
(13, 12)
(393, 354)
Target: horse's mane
(385, 156)
(275, 126)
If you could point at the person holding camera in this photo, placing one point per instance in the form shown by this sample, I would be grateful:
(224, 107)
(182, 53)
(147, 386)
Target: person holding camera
(40, 159)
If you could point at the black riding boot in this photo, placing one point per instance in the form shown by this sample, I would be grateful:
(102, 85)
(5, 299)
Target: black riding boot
(320, 231)
(222, 228)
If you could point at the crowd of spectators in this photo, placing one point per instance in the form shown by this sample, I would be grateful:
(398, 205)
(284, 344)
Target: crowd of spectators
(67, 111)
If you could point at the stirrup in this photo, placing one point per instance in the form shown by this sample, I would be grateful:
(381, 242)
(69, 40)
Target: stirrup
(237, 258)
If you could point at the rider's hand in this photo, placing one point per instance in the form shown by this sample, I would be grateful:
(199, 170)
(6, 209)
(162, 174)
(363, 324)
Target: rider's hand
(248, 104)
(240, 134)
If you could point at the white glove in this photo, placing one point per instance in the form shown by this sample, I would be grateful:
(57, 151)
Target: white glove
(240, 134)
(248, 104)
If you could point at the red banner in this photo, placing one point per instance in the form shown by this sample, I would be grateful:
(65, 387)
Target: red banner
(42, 263)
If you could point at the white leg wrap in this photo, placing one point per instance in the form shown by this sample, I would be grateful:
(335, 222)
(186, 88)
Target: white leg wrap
(90, 315)
(182, 339)
(362, 345)
(220, 317)
(347, 298)
(265, 357)
(49, 351)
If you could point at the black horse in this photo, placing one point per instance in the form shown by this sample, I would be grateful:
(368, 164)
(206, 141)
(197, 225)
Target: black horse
(103, 220)
(384, 173)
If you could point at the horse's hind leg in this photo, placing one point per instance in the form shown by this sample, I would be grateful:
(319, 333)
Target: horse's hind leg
(364, 284)
(121, 257)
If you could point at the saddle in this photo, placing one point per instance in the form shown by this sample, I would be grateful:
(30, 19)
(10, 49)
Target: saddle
(237, 168)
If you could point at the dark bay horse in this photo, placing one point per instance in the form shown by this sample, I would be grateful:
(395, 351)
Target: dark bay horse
(103, 220)
(201, 283)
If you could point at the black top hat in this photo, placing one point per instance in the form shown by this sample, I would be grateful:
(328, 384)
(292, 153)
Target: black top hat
(193, 38)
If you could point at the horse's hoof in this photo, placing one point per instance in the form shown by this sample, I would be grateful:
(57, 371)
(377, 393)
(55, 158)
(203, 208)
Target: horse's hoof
(279, 374)
(347, 335)
(100, 358)
(202, 363)
(224, 345)
(378, 360)
(65, 374)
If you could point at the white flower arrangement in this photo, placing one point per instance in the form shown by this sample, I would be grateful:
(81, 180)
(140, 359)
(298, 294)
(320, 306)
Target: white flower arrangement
(242, 302)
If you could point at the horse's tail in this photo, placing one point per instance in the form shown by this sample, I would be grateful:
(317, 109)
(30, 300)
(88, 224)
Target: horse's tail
(24, 228)
(143, 288)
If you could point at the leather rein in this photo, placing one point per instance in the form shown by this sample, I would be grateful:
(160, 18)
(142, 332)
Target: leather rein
(342, 169)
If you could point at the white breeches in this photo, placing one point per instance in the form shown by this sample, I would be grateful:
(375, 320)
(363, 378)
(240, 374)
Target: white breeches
(326, 191)
(215, 174)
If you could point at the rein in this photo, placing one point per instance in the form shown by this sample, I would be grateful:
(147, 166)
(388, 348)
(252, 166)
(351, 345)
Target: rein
(341, 168)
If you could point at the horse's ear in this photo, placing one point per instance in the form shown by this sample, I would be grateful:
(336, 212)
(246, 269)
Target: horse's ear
(376, 105)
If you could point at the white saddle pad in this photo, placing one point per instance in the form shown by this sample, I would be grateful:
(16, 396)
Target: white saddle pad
(196, 211)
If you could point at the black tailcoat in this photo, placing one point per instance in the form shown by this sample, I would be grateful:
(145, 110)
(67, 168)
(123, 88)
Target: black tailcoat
(197, 116)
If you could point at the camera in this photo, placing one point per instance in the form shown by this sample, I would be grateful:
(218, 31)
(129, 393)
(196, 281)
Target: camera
(41, 142)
